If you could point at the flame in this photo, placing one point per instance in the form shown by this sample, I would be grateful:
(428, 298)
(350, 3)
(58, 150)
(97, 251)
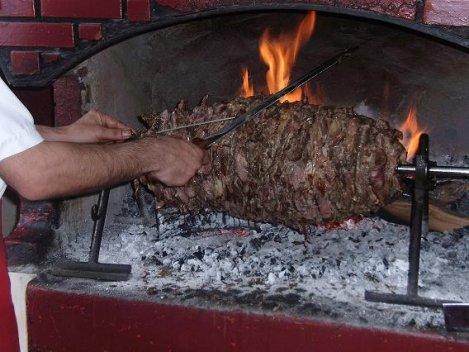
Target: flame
(280, 54)
(411, 131)
(247, 90)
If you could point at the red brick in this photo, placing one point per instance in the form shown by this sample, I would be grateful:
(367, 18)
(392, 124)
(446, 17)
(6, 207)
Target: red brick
(55, 35)
(448, 13)
(17, 8)
(185, 6)
(82, 8)
(138, 10)
(24, 62)
(67, 99)
(90, 31)
(51, 57)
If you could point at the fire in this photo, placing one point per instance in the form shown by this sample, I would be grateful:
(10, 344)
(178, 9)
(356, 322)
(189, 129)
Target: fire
(280, 54)
(248, 89)
(411, 131)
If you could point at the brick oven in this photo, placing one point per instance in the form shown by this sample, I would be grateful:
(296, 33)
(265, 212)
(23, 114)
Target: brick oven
(214, 282)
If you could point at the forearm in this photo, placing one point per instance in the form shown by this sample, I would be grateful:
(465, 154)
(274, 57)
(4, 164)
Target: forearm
(57, 169)
(52, 134)
(93, 127)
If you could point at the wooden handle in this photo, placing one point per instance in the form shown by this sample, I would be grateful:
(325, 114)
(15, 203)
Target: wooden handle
(440, 219)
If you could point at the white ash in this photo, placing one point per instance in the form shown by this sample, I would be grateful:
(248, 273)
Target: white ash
(218, 261)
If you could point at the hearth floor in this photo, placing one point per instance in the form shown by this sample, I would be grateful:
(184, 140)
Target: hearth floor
(228, 264)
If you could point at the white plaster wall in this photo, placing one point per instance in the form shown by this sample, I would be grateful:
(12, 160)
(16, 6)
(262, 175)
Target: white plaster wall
(19, 281)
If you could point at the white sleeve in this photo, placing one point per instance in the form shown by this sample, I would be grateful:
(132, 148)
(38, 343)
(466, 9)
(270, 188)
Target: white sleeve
(17, 130)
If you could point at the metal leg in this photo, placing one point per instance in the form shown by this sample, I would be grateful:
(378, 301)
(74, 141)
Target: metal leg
(93, 269)
(419, 215)
(418, 227)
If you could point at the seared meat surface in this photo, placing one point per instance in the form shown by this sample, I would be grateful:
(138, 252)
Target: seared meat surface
(296, 164)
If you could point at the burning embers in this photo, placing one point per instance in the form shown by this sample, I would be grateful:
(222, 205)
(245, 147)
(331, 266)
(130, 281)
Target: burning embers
(270, 268)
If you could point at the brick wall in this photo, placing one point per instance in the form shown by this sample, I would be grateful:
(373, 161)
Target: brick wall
(41, 39)
(39, 34)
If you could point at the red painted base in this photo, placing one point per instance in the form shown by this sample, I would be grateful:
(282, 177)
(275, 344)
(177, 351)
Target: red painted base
(69, 322)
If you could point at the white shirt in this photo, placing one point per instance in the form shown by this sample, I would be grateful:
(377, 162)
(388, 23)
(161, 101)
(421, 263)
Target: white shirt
(17, 130)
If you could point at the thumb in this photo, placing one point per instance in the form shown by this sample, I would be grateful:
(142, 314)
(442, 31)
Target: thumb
(113, 134)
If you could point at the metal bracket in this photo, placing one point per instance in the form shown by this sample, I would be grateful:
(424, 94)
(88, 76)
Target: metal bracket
(424, 170)
(456, 316)
(93, 269)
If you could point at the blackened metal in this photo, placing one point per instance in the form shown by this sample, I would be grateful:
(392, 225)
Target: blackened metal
(408, 300)
(419, 225)
(456, 316)
(98, 214)
(147, 217)
(93, 269)
(420, 11)
(419, 215)
(124, 9)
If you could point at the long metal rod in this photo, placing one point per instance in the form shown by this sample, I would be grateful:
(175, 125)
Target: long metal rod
(410, 300)
(419, 215)
(438, 171)
(195, 125)
(275, 97)
(99, 216)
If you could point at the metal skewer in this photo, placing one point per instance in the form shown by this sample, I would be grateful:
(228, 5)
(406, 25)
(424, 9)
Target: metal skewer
(195, 125)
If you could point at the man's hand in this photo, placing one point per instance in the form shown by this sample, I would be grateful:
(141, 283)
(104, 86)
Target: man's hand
(178, 161)
(93, 127)
(57, 169)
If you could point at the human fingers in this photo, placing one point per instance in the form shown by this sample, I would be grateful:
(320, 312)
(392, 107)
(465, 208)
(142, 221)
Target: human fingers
(178, 161)
(105, 134)
(112, 129)
(111, 122)
(204, 160)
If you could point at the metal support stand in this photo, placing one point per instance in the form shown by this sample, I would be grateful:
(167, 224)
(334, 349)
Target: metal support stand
(424, 170)
(93, 269)
(456, 316)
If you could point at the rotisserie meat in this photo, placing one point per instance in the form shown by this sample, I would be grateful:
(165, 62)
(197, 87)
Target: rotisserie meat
(296, 164)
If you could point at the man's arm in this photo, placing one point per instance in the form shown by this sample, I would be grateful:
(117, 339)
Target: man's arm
(93, 127)
(58, 169)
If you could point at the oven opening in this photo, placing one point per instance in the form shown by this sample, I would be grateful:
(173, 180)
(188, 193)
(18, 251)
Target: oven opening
(308, 205)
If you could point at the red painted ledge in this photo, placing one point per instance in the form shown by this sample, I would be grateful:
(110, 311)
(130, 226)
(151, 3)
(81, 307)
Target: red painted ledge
(65, 321)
